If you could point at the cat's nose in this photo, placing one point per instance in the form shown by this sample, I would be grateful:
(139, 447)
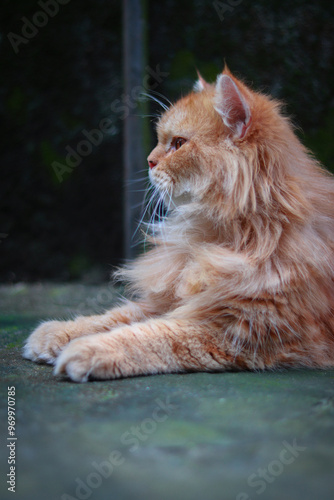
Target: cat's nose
(152, 164)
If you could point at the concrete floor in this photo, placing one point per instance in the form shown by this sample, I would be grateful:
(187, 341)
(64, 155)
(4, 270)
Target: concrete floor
(232, 436)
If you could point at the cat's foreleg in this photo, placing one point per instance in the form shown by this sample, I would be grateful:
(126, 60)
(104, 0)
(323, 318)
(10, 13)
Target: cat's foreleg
(155, 346)
(47, 341)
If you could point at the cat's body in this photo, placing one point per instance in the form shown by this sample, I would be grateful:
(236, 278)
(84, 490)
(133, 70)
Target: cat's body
(241, 273)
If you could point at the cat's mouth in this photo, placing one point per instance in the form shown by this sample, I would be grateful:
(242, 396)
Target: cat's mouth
(178, 194)
(161, 181)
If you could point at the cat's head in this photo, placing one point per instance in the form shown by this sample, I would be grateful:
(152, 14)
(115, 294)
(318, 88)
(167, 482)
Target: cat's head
(212, 143)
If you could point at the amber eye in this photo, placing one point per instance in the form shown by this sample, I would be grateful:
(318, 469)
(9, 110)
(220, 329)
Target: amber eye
(178, 142)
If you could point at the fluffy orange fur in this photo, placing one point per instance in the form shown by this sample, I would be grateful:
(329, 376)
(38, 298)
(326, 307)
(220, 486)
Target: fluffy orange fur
(240, 273)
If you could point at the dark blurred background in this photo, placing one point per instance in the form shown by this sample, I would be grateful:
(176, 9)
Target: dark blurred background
(61, 222)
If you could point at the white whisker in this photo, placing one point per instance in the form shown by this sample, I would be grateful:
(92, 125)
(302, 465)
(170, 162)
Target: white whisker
(161, 95)
(153, 98)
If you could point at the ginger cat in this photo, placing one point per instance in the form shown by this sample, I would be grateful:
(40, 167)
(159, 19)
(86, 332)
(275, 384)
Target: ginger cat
(241, 272)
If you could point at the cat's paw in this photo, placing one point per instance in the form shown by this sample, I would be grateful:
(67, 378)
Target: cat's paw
(46, 342)
(86, 358)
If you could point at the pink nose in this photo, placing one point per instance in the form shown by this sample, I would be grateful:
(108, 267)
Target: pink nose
(151, 163)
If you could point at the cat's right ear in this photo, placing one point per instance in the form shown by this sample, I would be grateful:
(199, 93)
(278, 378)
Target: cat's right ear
(232, 105)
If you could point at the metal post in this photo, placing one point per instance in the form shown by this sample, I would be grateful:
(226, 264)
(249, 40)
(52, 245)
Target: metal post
(134, 137)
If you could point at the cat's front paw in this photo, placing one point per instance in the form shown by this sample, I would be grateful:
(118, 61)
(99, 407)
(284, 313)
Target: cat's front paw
(85, 358)
(46, 342)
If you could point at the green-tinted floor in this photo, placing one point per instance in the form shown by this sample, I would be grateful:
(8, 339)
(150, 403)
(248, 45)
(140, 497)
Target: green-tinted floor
(222, 436)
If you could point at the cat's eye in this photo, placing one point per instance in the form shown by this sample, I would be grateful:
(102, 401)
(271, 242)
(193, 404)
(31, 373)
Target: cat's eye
(178, 142)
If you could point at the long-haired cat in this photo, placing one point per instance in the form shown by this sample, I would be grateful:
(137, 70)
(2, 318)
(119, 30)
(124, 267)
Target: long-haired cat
(240, 275)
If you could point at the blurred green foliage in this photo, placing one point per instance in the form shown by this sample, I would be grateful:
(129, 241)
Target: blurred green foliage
(66, 77)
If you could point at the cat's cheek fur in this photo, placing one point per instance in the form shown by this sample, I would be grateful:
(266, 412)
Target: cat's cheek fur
(181, 176)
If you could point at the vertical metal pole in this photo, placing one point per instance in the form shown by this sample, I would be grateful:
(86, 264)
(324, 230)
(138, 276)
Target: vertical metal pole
(134, 150)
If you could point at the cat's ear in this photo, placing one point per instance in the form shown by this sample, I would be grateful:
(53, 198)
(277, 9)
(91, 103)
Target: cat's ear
(232, 105)
(201, 84)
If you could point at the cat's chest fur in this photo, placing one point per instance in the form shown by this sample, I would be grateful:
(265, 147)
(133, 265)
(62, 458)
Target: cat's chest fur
(184, 265)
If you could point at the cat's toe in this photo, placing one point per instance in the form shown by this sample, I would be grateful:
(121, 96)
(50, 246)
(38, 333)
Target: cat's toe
(45, 343)
(85, 358)
(28, 351)
(73, 369)
(37, 354)
(75, 361)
